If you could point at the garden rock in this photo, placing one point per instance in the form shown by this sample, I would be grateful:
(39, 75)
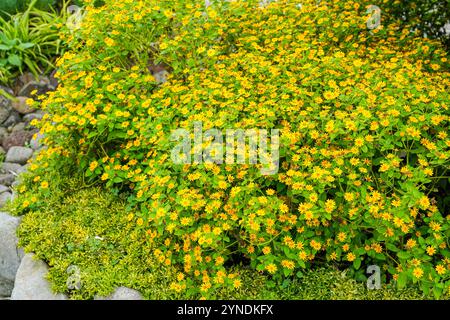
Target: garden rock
(35, 143)
(7, 179)
(3, 134)
(5, 105)
(5, 197)
(21, 106)
(13, 119)
(122, 293)
(19, 155)
(31, 282)
(53, 81)
(3, 188)
(17, 139)
(9, 254)
(12, 168)
(18, 127)
(5, 110)
(31, 116)
(41, 85)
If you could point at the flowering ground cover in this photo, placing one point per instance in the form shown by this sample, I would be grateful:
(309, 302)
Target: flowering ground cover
(361, 177)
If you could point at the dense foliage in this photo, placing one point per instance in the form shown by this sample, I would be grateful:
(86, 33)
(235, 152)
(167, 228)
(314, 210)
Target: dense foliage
(364, 126)
(427, 17)
(14, 6)
(29, 41)
(85, 235)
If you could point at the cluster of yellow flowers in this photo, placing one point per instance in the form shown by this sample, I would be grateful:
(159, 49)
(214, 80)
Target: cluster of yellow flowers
(364, 124)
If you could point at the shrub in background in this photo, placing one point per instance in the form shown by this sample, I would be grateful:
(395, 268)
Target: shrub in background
(426, 17)
(14, 6)
(364, 126)
(29, 40)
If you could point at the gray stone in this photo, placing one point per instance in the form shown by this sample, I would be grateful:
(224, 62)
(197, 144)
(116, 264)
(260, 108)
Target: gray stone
(12, 120)
(36, 143)
(31, 116)
(19, 155)
(9, 254)
(4, 113)
(7, 179)
(42, 85)
(21, 106)
(5, 105)
(17, 138)
(3, 134)
(122, 293)
(161, 76)
(24, 78)
(31, 282)
(12, 168)
(3, 188)
(53, 80)
(5, 197)
(18, 127)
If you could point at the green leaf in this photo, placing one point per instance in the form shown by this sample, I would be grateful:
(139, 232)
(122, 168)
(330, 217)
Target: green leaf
(437, 292)
(117, 180)
(401, 281)
(14, 59)
(5, 47)
(26, 45)
(403, 255)
(357, 263)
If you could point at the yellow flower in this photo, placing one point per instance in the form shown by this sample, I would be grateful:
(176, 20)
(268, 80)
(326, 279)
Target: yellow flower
(271, 268)
(440, 269)
(424, 202)
(341, 236)
(411, 243)
(431, 250)
(418, 273)
(219, 261)
(211, 52)
(109, 42)
(288, 264)
(351, 257)
(44, 184)
(93, 165)
(330, 205)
